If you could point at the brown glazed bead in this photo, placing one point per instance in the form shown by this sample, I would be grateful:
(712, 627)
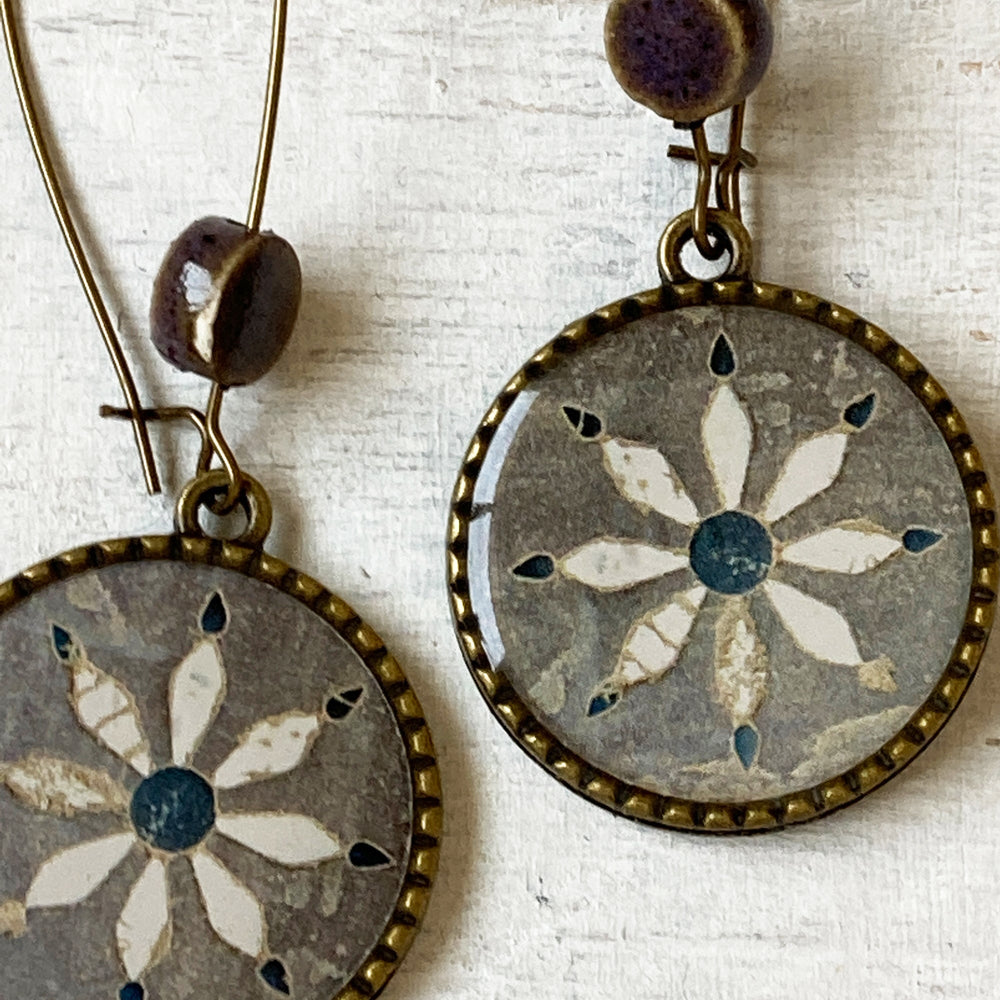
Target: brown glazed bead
(688, 59)
(225, 301)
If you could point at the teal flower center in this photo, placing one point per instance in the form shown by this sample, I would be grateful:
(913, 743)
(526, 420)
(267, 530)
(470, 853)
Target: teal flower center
(173, 809)
(732, 552)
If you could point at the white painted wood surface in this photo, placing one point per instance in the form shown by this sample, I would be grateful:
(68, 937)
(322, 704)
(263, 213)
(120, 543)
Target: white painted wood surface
(460, 180)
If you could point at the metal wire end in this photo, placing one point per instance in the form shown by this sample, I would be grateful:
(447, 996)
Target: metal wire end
(727, 168)
(208, 423)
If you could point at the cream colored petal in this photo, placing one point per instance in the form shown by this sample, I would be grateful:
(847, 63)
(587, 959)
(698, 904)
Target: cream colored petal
(741, 668)
(63, 787)
(144, 927)
(817, 628)
(811, 468)
(645, 477)
(727, 436)
(197, 690)
(234, 912)
(269, 747)
(611, 564)
(655, 642)
(72, 874)
(847, 548)
(107, 710)
(296, 841)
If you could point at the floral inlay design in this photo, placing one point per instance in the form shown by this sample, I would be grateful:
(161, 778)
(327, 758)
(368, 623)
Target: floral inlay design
(173, 812)
(732, 553)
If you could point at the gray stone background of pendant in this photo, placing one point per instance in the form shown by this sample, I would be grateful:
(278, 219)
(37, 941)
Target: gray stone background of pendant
(650, 384)
(137, 621)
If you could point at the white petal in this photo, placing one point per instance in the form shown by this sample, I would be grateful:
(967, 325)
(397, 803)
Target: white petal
(73, 874)
(144, 927)
(108, 711)
(820, 630)
(63, 787)
(612, 564)
(296, 841)
(848, 548)
(233, 910)
(656, 641)
(727, 435)
(197, 690)
(811, 468)
(645, 477)
(269, 747)
(741, 669)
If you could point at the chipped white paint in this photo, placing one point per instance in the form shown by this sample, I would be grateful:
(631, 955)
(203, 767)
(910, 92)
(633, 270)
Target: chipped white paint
(233, 910)
(144, 926)
(107, 711)
(491, 184)
(296, 841)
(833, 748)
(194, 694)
(617, 564)
(656, 641)
(72, 874)
(727, 435)
(63, 787)
(13, 918)
(854, 548)
(270, 747)
(811, 468)
(879, 675)
(197, 690)
(741, 668)
(646, 478)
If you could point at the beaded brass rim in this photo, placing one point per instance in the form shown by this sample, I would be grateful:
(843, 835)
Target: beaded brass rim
(641, 804)
(397, 937)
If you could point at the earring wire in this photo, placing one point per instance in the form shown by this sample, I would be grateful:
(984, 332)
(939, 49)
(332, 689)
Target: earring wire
(212, 439)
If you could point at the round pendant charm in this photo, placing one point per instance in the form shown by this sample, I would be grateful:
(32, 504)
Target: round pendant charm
(723, 557)
(214, 781)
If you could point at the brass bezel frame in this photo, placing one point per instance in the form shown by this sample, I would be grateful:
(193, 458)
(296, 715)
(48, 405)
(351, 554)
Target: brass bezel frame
(394, 942)
(758, 816)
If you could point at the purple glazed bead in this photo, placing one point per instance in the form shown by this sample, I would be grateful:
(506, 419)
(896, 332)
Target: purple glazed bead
(688, 59)
(225, 301)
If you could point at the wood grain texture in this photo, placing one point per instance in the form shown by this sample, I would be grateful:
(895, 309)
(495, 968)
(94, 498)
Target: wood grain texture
(460, 181)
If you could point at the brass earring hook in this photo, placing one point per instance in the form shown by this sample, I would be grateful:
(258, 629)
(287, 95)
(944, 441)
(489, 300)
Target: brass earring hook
(76, 251)
(213, 441)
(727, 178)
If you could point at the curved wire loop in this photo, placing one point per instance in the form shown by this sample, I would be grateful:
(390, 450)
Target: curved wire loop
(727, 167)
(727, 232)
(208, 423)
(204, 491)
(213, 442)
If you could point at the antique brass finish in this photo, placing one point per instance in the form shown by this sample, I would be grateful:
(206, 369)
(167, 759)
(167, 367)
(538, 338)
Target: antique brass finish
(134, 411)
(808, 804)
(727, 178)
(76, 251)
(206, 489)
(422, 863)
(730, 237)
